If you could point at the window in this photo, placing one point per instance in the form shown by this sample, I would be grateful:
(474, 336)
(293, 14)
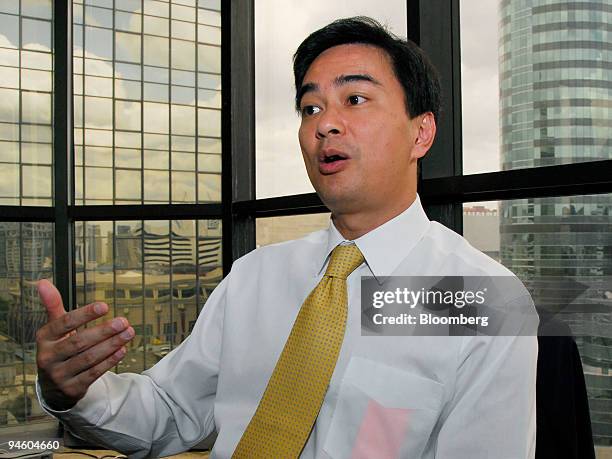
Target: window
(530, 96)
(535, 93)
(276, 120)
(147, 99)
(161, 204)
(561, 248)
(26, 57)
(149, 256)
(278, 229)
(146, 106)
(26, 256)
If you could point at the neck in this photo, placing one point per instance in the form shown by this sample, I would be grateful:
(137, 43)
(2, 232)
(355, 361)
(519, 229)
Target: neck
(353, 225)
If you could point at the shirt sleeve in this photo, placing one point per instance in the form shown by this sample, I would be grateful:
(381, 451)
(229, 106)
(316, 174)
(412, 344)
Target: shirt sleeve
(492, 412)
(165, 410)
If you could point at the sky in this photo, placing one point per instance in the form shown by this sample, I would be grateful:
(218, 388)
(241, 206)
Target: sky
(279, 29)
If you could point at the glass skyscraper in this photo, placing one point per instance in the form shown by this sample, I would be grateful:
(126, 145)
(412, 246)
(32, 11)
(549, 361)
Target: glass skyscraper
(555, 63)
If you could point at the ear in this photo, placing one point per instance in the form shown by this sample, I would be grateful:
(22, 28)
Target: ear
(426, 124)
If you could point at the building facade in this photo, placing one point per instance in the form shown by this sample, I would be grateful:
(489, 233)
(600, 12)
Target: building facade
(555, 66)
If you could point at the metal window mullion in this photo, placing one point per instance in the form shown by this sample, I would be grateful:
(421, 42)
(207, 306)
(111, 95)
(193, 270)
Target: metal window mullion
(84, 229)
(438, 28)
(114, 123)
(84, 109)
(142, 283)
(83, 91)
(20, 108)
(197, 105)
(63, 150)
(237, 126)
(197, 265)
(171, 251)
(170, 200)
(23, 309)
(142, 142)
(114, 250)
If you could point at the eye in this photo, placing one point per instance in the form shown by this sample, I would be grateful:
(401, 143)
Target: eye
(310, 110)
(356, 100)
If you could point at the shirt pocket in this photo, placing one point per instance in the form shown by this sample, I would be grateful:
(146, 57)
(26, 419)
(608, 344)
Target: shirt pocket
(382, 412)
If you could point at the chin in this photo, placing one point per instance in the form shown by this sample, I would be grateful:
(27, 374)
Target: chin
(341, 202)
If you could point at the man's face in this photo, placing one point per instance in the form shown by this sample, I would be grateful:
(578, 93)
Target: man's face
(356, 137)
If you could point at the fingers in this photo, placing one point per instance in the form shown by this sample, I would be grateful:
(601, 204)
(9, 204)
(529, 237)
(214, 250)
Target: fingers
(85, 361)
(60, 326)
(81, 382)
(51, 299)
(88, 337)
(71, 389)
(63, 370)
(69, 365)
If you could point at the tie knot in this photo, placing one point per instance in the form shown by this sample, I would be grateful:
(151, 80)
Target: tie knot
(344, 260)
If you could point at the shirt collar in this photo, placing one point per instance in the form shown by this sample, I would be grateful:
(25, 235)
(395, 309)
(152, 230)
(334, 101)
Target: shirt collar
(386, 246)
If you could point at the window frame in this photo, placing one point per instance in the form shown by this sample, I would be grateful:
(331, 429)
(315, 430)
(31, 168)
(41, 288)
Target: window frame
(433, 24)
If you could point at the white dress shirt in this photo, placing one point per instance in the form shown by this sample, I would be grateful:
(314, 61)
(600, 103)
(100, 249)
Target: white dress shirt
(459, 397)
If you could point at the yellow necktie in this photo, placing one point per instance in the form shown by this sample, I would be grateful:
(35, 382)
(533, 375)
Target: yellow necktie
(292, 400)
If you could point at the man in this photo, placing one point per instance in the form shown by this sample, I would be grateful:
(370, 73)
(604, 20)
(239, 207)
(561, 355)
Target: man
(368, 104)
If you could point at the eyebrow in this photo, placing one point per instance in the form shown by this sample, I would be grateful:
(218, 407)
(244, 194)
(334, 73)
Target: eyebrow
(338, 81)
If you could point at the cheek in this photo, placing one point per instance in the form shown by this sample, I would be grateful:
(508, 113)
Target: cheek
(305, 140)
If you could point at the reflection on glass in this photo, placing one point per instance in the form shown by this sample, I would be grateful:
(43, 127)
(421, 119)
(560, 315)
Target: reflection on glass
(127, 184)
(157, 274)
(276, 39)
(36, 181)
(37, 8)
(209, 187)
(135, 79)
(26, 254)
(560, 248)
(271, 230)
(26, 110)
(35, 108)
(535, 85)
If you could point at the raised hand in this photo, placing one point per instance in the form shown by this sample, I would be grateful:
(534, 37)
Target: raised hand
(69, 361)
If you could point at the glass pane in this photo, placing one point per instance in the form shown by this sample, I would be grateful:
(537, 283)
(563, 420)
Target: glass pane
(276, 39)
(26, 256)
(36, 8)
(136, 67)
(127, 115)
(535, 84)
(36, 35)
(9, 27)
(157, 274)
(128, 184)
(271, 230)
(35, 108)
(26, 87)
(560, 248)
(10, 107)
(36, 181)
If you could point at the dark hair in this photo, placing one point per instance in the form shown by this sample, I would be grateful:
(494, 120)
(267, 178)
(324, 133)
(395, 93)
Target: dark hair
(411, 66)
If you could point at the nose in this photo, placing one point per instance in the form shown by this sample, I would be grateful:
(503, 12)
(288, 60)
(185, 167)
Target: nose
(329, 124)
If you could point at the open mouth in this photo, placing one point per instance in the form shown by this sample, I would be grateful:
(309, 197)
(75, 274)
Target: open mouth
(333, 159)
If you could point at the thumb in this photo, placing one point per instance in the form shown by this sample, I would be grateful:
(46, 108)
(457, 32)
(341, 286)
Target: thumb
(51, 298)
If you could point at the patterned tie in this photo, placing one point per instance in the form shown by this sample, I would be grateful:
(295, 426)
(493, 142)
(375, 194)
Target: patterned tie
(292, 400)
